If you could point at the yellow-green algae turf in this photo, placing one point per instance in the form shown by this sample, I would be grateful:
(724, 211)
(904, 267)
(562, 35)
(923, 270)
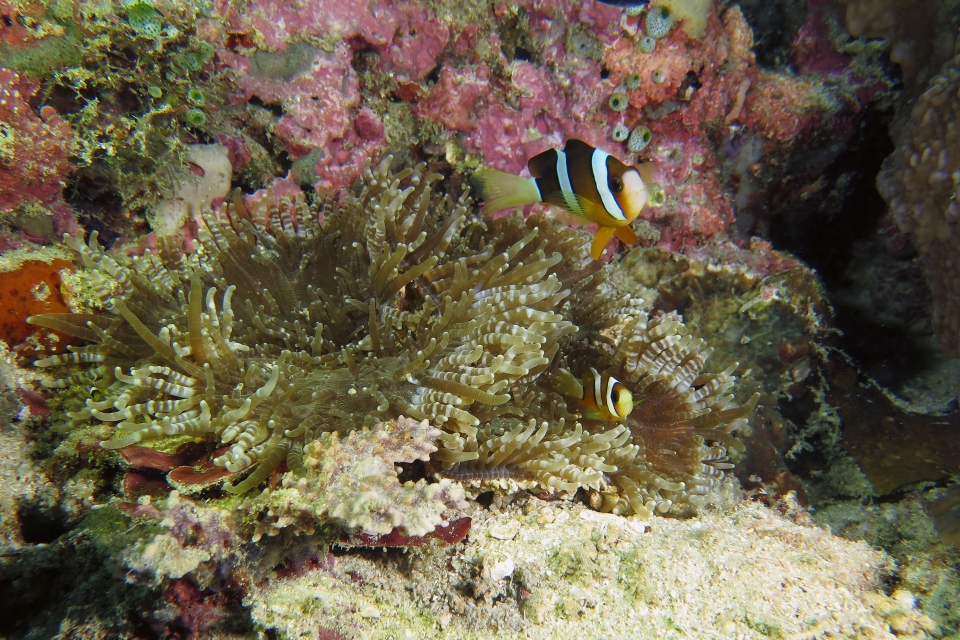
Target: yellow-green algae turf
(153, 62)
(927, 567)
(532, 569)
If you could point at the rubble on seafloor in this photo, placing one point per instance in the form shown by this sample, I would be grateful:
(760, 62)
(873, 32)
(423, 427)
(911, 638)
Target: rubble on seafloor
(765, 237)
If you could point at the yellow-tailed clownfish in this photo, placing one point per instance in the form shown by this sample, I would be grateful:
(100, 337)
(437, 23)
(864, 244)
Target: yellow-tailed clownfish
(588, 182)
(602, 396)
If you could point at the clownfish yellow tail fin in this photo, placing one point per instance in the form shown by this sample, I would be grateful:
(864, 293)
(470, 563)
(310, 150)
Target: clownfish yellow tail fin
(501, 190)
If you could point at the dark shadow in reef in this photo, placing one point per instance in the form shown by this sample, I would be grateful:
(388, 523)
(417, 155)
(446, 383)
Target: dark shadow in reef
(79, 581)
(881, 300)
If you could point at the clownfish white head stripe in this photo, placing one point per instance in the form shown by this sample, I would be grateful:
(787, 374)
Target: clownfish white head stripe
(601, 176)
(611, 396)
(588, 182)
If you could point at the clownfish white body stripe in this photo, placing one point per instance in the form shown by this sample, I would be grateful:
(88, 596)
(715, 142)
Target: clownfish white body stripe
(588, 182)
(602, 396)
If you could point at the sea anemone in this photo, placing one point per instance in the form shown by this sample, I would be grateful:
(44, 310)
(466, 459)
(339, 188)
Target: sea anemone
(300, 323)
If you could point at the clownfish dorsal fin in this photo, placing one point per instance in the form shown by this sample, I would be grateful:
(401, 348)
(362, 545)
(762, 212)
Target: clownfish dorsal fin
(646, 172)
(626, 235)
(543, 163)
(578, 147)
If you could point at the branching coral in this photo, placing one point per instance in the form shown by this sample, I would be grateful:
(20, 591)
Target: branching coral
(294, 325)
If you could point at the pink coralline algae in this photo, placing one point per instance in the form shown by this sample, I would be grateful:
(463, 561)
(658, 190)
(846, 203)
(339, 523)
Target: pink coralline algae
(695, 95)
(700, 97)
(416, 45)
(274, 24)
(506, 121)
(34, 149)
(318, 91)
(318, 88)
(452, 533)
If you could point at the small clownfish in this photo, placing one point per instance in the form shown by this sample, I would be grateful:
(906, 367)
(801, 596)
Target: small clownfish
(588, 182)
(602, 397)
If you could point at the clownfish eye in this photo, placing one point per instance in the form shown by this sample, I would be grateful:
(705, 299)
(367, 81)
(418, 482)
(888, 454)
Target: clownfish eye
(615, 184)
(615, 396)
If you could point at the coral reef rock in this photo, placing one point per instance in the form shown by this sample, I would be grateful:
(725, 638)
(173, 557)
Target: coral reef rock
(920, 181)
(539, 570)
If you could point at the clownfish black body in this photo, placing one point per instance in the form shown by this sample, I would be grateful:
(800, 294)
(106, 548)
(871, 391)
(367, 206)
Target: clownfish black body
(588, 182)
(602, 396)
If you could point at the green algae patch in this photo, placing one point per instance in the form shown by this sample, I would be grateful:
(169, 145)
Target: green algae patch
(284, 65)
(60, 49)
(112, 531)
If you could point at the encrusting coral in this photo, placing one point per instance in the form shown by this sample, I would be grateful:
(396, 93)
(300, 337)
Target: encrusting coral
(294, 325)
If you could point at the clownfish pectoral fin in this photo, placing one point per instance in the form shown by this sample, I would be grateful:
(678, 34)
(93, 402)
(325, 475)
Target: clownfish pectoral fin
(567, 217)
(568, 384)
(626, 235)
(646, 172)
(501, 190)
(600, 241)
(571, 203)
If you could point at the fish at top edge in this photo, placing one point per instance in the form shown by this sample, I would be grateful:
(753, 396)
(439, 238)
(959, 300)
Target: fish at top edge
(626, 4)
(588, 182)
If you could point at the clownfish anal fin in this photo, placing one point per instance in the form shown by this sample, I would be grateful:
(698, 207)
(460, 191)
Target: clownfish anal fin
(626, 235)
(600, 241)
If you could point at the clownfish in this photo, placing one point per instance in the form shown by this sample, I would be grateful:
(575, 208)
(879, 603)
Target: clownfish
(627, 4)
(602, 396)
(588, 182)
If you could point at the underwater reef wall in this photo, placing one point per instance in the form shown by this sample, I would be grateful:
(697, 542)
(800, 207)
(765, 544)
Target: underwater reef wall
(292, 385)
(920, 180)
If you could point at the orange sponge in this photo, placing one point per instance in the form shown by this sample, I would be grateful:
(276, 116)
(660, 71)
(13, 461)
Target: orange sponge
(32, 288)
